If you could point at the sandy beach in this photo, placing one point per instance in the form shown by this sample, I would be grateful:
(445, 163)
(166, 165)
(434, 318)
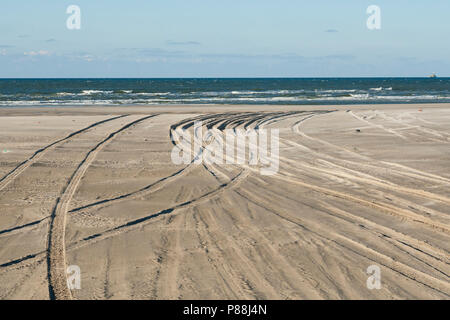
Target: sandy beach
(95, 187)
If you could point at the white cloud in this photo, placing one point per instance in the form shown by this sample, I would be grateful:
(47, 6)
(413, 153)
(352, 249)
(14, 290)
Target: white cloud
(37, 53)
(182, 43)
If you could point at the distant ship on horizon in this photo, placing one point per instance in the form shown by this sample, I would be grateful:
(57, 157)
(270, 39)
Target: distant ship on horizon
(433, 75)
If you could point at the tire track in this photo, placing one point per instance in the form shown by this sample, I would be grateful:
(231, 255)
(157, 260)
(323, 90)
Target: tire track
(405, 269)
(22, 227)
(379, 126)
(438, 255)
(392, 210)
(355, 247)
(134, 224)
(286, 270)
(8, 178)
(233, 119)
(153, 187)
(147, 190)
(349, 175)
(226, 273)
(37, 257)
(410, 172)
(56, 240)
(251, 281)
(420, 128)
(169, 275)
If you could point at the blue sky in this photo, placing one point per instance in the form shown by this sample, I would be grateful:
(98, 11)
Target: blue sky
(232, 38)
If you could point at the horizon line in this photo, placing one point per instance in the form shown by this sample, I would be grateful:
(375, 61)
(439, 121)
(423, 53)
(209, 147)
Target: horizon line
(169, 78)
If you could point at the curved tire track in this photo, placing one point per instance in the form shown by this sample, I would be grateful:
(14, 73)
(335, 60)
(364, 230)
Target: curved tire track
(56, 240)
(8, 178)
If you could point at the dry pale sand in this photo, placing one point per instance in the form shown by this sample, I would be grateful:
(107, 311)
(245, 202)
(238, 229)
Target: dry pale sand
(96, 188)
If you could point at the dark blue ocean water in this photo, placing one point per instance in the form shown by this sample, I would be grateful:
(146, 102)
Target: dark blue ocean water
(79, 92)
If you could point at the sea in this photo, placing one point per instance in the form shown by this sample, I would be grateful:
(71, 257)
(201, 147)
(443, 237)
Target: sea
(286, 91)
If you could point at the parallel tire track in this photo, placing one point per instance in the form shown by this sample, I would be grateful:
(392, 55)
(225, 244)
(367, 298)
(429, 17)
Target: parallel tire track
(56, 241)
(356, 247)
(8, 178)
(153, 187)
(141, 221)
